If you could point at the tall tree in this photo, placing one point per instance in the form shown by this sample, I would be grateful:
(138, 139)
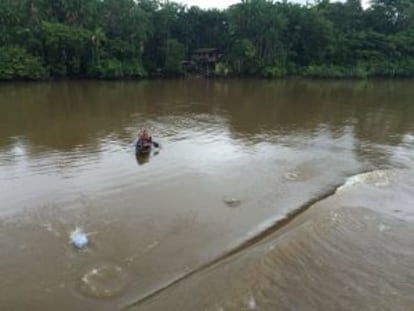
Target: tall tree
(391, 16)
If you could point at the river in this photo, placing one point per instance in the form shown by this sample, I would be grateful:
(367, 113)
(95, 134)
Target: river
(265, 195)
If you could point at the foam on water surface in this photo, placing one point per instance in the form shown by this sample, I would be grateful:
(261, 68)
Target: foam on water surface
(379, 178)
(103, 281)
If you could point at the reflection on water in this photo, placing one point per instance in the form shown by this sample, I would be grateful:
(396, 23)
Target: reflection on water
(146, 157)
(237, 158)
(63, 116)
(142, 158)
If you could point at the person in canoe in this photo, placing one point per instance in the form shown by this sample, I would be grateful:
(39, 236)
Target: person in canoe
(145, 142)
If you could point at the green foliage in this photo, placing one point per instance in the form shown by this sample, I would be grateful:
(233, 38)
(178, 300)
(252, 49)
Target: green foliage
(69, 50)
(111, 39)
(257, 25)
(333, 71)
(391, 16)
(221, 70)
(242, 57)
(115, 69)
(174, 57)
(400, 68)
(308, 36)
(16, 63)
(275, 71)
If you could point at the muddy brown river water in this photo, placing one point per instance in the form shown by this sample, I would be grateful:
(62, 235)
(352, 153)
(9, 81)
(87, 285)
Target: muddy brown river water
(264, 195)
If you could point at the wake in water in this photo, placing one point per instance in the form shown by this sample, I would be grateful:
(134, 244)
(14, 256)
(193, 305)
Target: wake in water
(339, 244)
(380, 178)
(334, 255)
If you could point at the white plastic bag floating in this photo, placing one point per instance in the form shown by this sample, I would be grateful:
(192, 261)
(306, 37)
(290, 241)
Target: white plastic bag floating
(78, 238)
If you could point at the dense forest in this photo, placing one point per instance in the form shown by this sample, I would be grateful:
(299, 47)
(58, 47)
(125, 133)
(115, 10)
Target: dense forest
(111, 39)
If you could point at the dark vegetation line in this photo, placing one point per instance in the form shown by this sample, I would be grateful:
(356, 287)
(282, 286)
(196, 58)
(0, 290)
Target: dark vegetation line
(110, 39)
(243, 246)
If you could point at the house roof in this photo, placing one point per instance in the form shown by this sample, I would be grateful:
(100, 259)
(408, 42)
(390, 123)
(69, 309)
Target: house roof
(205, 50)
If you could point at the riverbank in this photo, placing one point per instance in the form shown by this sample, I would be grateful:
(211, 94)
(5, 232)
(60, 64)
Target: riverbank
(361, 72)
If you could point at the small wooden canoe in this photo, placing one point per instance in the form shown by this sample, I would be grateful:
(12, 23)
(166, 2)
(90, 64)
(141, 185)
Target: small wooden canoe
(140, 149)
